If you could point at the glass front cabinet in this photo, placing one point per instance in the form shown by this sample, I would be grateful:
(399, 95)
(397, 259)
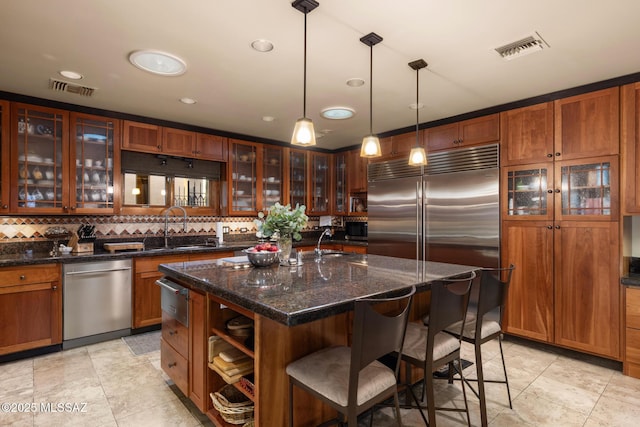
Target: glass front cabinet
(576, 189)
(340, 186)
(320, 180)
(4, 157)
(40, 177)
(298, 178)
(243, 171)
(94, 175)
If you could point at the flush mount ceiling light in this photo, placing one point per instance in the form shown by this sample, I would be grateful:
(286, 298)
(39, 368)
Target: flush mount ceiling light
(303, 133)
(188, 101)
(417, 156)
(371, 143)
(337, 113)
(156, 62)
(262, 45)
(71, 74)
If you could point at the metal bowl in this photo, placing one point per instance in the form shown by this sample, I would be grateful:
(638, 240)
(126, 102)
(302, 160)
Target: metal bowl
(262, 259)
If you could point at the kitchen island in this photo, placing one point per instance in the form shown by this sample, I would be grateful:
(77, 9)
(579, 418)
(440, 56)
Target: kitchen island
(295, 310)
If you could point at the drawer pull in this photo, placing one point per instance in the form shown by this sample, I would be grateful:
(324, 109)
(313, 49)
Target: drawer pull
(173, 332)
(171, 365)
(22, 277)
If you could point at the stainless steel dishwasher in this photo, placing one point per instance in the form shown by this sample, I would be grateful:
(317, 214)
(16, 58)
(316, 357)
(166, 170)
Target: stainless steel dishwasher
(96, 302)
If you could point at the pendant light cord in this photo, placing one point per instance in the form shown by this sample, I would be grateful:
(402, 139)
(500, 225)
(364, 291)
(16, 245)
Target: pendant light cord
(371, 92)
(304, 84)
(417, 107)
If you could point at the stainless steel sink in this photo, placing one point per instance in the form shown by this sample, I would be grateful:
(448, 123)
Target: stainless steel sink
(187, 247)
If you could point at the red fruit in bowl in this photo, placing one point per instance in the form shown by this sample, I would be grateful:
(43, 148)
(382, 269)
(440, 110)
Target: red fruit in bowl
(273, 249)
(266, 246)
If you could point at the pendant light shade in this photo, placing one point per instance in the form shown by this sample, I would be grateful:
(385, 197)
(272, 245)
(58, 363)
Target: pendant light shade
(303, 132)
(371, 143)
(418, 155)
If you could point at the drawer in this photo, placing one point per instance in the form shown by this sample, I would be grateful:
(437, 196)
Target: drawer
(11, 276)
(632, 349)
(175, 334)
(174, 365)
(633, 307)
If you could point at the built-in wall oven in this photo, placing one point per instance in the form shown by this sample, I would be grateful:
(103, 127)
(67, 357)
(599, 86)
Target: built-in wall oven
(96, 302)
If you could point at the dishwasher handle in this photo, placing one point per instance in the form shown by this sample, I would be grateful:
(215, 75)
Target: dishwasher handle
(108, 270)
(163, 283)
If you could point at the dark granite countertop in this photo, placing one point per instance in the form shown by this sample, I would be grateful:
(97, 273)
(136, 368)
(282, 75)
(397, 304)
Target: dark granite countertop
(9, 260)
(314, 290)
(630, 280)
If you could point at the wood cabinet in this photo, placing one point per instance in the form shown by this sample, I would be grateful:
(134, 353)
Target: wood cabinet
(630, 148)
(527, 135)
(178, 142)
(31, 301)
(298, 177)
(397, 146)
(320, 181)
(631, 361)
(141, 137)
(480, 130)
(340, 201)
(148, 138)
(146, 294)
(5, 173)
(587, 125)
(211, 147)
(560, 228)
(587, 287)
(356, 172)
(355, 249)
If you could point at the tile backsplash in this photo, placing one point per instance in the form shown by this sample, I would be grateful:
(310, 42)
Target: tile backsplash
(26, 229)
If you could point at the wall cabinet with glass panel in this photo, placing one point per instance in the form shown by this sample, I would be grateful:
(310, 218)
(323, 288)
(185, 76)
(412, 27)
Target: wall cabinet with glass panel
(340, 195)
(4, 157)
(298, 177)
(93, 178)
(40, 160)
(320, 180)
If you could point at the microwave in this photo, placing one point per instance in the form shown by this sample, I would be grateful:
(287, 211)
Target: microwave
(356, 230)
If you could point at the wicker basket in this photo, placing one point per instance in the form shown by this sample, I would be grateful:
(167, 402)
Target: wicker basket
(233, 406)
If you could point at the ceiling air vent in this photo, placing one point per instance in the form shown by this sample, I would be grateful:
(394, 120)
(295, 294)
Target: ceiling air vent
(531, 44)
(60, 86)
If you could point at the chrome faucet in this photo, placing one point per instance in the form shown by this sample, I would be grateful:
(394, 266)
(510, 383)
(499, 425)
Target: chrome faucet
(166, 222)
(326, 232)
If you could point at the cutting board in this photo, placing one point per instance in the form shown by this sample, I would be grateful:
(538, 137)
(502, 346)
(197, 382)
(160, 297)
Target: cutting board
(122, 246)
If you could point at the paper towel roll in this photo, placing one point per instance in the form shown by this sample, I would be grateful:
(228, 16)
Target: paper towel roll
(219, 232)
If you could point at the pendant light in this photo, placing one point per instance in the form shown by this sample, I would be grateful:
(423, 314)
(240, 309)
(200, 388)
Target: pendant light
(371, 143)
(418, 156)
(303, 132)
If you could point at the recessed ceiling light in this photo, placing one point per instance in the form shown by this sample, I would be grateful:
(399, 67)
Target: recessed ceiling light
(71, 75)
(337, 113)
(186, 100)
(355, 82)
(262, 45)
(156, 62)
(268, 118)
(413, 106)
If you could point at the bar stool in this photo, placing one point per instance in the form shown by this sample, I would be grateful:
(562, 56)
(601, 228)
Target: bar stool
(429, 347)
(350, 379)
(480, 328)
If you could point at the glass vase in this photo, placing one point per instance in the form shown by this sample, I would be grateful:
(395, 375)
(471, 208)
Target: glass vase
(285, 243)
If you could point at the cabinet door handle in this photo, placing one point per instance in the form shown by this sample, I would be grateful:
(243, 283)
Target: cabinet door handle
(5, 206)
(54, 288)
(22, 277)
(549, 227)
(549, 155)
(549, 191)
(557, 190)
(557, 227)
(558, 154)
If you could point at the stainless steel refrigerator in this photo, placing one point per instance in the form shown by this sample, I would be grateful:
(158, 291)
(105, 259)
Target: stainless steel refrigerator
(447, 211)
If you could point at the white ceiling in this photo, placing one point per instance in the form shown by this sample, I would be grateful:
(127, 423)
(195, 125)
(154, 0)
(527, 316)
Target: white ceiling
(236, 86)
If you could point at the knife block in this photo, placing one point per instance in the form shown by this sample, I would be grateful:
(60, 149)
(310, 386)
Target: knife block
(82, 247)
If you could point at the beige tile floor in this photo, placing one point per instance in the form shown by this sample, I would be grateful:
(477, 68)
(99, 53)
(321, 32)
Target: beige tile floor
(549, 387)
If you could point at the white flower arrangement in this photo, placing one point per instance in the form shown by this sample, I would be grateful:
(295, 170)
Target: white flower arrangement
(282, 220)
